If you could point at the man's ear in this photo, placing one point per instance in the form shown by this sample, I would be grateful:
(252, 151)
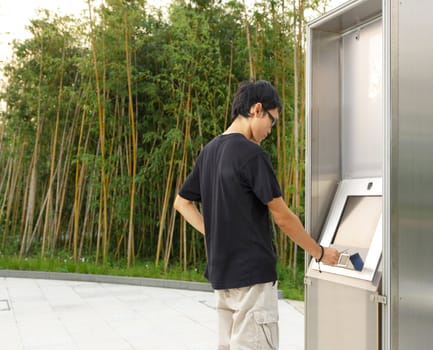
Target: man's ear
(256, 108)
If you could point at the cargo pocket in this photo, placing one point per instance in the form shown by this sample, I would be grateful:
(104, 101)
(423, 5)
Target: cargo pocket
(267, 326)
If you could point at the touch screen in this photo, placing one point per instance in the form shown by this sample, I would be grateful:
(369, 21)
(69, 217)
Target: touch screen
(358, 222)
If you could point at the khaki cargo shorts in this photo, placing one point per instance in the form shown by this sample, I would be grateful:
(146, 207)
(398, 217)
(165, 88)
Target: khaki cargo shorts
(248, 317)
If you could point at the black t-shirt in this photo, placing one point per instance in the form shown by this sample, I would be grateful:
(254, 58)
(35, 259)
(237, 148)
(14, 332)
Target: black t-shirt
(234, 180)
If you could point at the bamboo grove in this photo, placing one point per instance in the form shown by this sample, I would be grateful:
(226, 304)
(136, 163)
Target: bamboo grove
(106, 113)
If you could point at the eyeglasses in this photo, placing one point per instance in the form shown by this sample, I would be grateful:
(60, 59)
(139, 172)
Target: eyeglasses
(271, 117)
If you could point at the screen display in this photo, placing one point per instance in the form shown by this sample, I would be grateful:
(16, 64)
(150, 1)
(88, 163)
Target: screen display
(358, 222)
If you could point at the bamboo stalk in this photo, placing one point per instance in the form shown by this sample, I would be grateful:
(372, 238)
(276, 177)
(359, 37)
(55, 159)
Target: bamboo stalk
(130, 254)
(13, 203)
(168, 187)
(9, 195)
(30, 194)
(77, 192)
(229, 88)
(48, 226)
(247, 34)
(62, 181)
(101, 120)
(182, 165)
(86, 222)
(5, 181)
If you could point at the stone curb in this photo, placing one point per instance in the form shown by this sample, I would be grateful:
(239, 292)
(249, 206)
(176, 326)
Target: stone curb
(134, 281)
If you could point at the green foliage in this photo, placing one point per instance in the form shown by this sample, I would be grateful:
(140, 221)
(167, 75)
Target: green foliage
(290, 283)
(65, 263)
(77, 88)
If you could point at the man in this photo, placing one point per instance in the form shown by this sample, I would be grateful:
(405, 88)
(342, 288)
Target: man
(234, 180)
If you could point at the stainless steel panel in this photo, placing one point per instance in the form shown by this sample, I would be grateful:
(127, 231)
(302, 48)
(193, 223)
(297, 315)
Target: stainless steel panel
(349, 15)
(344, 113)
(390, 189)
(362, 117)
(339, 312)
(412, 175)
(340, 317)
(323, 135)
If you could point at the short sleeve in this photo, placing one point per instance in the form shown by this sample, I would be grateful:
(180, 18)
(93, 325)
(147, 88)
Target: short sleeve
(191, 187)
(259, 176)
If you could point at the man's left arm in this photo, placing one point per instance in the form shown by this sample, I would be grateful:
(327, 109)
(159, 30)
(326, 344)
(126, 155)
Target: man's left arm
(190, 213)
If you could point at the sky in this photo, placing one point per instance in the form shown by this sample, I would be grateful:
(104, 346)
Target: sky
(15, 15)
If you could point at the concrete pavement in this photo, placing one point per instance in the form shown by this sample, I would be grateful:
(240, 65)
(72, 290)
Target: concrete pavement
(46, 314)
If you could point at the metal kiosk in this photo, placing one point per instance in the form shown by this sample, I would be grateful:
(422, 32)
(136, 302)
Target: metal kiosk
(369, 184)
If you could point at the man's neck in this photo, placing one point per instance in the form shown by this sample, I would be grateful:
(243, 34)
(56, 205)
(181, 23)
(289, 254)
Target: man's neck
(240, 125)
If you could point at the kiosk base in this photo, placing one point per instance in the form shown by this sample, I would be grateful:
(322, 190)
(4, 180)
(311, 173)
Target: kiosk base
(344, 317)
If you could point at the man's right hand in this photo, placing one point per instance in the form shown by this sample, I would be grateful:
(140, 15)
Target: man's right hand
(330, 256)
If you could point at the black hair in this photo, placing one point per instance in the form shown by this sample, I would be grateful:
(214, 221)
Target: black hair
(252, 92)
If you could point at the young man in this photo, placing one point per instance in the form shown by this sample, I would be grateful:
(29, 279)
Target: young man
(234, 180)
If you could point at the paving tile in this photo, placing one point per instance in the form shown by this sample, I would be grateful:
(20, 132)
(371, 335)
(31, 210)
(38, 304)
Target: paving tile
(74, 315)
(10, 336)
(59, 346)
(43, 334)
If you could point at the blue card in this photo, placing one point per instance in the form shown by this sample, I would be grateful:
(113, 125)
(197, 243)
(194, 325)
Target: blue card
(357, 262)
